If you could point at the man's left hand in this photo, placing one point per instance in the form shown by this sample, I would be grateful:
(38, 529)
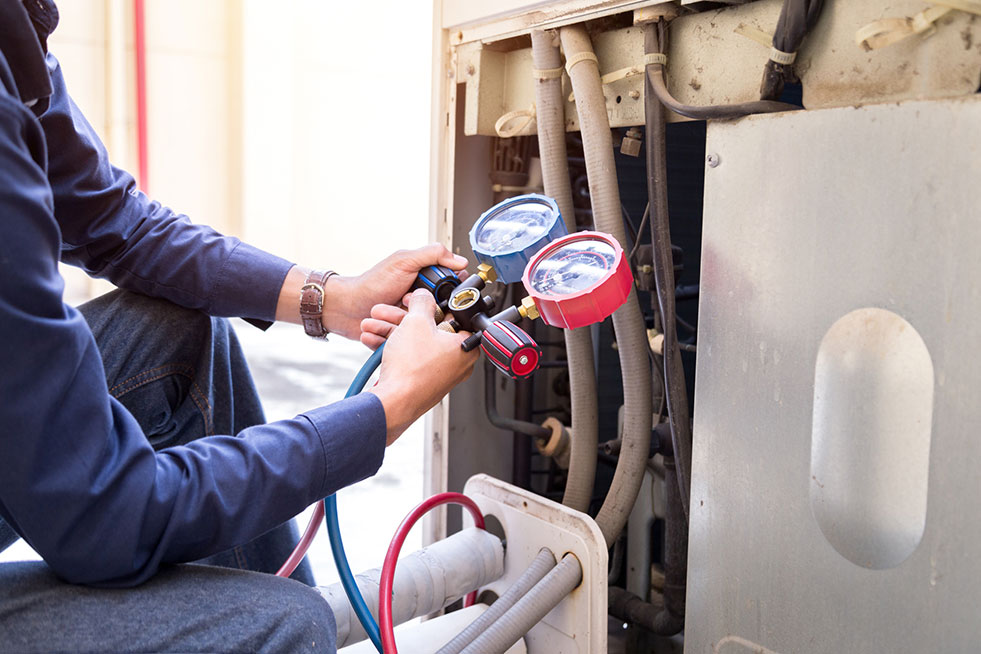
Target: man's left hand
(350, 299)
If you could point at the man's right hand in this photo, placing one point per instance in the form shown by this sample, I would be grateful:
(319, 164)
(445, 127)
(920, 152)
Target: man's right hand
(420, 365)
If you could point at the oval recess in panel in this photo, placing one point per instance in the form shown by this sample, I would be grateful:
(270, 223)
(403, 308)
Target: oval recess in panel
(870, 438)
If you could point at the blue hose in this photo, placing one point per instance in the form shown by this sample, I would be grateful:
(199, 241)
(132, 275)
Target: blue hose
(334, 529)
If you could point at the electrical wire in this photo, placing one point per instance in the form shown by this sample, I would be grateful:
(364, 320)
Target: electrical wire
(797, 18)
(675, 388)
(655, 75)
(387, 579)
(640, 230)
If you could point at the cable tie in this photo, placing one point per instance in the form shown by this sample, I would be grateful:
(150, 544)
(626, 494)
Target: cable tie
(499, 126)
(781, 57)
(579, 57)
(655, 58)
(547, 73)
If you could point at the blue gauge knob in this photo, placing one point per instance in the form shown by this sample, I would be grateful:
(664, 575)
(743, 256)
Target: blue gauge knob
(508, 235)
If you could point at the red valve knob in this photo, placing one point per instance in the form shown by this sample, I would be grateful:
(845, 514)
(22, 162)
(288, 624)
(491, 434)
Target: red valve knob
(510, 349)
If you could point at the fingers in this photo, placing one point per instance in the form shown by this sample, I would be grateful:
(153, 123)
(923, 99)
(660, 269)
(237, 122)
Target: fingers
(435, 254)
(380, 328)
(371, 341)
(388, 313)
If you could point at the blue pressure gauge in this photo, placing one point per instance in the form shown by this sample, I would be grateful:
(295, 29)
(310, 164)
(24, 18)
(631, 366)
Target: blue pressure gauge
(508, 235)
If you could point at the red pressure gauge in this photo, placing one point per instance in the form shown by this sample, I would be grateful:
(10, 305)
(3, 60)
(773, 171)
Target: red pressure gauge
(579, 279)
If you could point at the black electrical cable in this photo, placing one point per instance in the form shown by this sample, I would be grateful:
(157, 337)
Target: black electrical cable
(675, 389)
(797, 18)
(640, 230)
(655, 78)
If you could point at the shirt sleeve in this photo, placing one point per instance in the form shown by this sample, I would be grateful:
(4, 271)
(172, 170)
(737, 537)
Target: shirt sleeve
(78, 479)
(112, 230)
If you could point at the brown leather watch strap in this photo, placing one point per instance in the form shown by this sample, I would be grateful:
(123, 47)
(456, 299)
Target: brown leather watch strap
(312, 297)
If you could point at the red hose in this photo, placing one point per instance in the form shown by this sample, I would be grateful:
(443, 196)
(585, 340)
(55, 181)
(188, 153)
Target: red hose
(305, 541)
(139, 37)
(391, 558)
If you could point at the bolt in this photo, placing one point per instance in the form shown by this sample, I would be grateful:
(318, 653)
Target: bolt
(634, 94)
(713, 160)
(523, 360)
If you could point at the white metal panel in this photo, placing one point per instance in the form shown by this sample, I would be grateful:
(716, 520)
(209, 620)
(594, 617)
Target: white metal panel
(808, 217)
(578, 624)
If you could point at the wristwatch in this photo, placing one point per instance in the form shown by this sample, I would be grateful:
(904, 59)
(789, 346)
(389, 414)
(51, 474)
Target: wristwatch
(312, 303)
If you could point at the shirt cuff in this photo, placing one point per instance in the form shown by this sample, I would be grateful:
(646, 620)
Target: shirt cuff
(352, 433)
(249, 284)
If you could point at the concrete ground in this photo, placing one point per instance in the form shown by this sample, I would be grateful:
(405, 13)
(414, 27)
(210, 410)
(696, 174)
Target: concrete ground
(293, 374)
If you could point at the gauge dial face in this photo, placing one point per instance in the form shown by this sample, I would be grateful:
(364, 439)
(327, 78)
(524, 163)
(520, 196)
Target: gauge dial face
(514, 228)
(573, 267)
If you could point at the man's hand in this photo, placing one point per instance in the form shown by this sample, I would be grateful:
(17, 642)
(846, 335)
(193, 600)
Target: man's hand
(420, 365)
(349, 299)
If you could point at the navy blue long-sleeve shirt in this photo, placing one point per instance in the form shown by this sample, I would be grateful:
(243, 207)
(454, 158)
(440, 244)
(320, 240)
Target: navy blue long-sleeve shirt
(78, 479)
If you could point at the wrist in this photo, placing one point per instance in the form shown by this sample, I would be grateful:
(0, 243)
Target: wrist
(335, 300)
(394, 400)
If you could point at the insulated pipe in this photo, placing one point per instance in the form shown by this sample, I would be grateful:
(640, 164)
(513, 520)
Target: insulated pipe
(539, 567)
(655, 78)
(628, 322)
(529, 610)
(550, 113)
(425, 581)
(675, 389)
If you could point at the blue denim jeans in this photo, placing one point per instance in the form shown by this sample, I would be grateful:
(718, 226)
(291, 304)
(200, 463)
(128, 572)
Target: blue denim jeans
(183, 375)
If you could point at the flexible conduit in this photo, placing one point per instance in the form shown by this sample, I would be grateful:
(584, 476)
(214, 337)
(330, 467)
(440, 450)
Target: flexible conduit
(675, 389)
(628, 322)
(544, 562)
(530, 609)
(550, 111)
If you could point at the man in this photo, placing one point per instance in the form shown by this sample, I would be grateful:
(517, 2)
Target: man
(131, 437)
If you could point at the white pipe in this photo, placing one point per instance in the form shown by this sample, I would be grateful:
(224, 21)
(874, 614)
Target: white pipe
(425, 581)
(530, 609)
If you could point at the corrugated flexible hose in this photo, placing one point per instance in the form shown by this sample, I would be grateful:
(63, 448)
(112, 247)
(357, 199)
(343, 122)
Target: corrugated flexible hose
(578, 342)
(628, 322)
(530, 609)
(539, 567)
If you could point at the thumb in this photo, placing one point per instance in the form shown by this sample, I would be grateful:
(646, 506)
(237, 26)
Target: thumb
(436, 254)
(421, 303)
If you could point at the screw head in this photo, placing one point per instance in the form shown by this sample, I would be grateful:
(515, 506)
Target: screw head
(523, 360)
(713, 160)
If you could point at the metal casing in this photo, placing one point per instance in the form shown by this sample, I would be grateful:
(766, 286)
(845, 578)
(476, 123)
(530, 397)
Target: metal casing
(821, 228)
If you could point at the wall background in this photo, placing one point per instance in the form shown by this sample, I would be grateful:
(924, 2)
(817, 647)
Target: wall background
(300, 126)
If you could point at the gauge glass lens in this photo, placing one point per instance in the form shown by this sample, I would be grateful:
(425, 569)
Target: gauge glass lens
(515, 228)
(573, 267)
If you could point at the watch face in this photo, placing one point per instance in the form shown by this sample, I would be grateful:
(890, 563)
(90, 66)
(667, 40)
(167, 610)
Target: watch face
(514, 228)
(576, 266)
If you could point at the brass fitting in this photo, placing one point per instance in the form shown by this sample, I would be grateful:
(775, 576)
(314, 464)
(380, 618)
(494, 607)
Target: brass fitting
(446, 327)
(487, 273)
(528, 308)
